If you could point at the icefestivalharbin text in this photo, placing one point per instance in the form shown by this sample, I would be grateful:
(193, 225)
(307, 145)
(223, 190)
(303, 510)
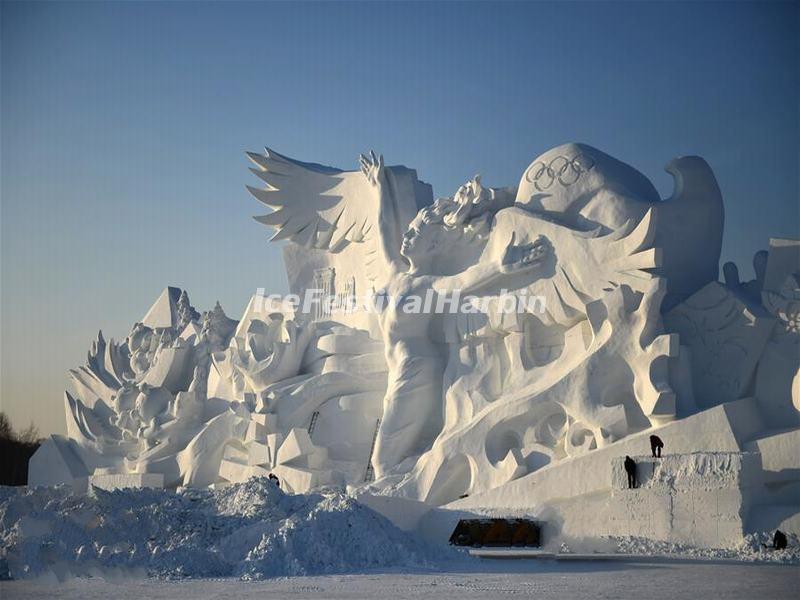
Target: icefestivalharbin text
(451, 302)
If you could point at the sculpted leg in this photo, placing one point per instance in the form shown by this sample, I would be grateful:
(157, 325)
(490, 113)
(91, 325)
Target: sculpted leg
(412, 413)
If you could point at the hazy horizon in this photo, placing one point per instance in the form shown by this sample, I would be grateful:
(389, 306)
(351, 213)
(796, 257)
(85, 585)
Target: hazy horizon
(124, 127)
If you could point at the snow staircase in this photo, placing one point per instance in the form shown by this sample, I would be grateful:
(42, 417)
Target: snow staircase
(369, 474)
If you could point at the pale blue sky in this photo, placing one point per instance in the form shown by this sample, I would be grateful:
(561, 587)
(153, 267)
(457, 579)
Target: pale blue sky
(124, 127)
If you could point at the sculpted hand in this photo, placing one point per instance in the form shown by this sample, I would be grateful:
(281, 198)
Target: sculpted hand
(518, 259)
(373, 169)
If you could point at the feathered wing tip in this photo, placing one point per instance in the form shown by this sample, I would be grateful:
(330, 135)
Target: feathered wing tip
(313, 205)
(276, 171)
(633, 254)
(588, 266)
(271, 160)
(633, 238)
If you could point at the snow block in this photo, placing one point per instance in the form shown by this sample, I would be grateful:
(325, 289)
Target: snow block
(268, 421)
(57, 462)
(121, 481)
(235, 451)
(701, 499)
(296, 447)
(258, 454)
(682, 471)
(299, 480)
(780, 455)
(405, 513)
(255, 432)
(274, 441)
(233, 470)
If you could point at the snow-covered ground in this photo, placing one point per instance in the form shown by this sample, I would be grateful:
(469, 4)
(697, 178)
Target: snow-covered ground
(251, 530)
(249, 537)
(484, 579)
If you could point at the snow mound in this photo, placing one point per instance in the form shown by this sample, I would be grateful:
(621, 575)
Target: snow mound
(756, 547)
(250, 530)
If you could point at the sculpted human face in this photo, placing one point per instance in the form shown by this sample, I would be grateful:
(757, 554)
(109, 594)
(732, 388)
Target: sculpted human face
(418, 240)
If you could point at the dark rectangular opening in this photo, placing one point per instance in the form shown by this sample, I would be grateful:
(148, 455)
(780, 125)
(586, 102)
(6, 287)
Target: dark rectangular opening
(497, 533)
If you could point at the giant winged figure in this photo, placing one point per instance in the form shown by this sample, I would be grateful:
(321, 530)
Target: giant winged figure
(579, 225)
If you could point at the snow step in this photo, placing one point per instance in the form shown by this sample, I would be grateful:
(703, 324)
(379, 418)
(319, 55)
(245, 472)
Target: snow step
(369, 474)
(313, 423)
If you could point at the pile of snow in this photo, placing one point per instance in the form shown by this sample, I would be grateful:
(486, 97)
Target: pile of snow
(250, 530)
(756, 547)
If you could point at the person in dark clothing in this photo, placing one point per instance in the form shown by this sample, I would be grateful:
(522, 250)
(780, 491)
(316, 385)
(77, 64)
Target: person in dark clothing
(630, 469)
(274, 478)
(779, 541)
(656, 445)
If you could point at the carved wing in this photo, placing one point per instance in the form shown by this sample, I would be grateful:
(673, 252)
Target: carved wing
(314, 206)
(579, 266)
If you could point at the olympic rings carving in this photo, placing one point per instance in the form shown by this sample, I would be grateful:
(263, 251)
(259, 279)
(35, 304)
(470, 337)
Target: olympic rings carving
(562, 169)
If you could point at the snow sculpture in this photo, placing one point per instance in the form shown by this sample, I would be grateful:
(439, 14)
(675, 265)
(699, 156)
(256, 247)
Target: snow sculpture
(579, 224)
(457, 346)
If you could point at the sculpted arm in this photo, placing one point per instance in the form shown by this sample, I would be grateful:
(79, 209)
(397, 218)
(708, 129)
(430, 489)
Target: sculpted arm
(516, 260)
(388, 220)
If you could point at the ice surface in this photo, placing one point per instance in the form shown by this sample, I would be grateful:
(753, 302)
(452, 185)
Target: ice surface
(490, 579)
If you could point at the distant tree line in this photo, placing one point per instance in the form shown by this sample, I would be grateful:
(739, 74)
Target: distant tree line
(16, 450)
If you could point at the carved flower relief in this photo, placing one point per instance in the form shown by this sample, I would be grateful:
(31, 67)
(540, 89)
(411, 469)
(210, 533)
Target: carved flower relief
(715, 325)
(792, 321)
(785, 304)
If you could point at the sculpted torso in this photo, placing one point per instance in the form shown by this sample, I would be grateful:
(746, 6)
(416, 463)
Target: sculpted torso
(403, 331)
(412, 408)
